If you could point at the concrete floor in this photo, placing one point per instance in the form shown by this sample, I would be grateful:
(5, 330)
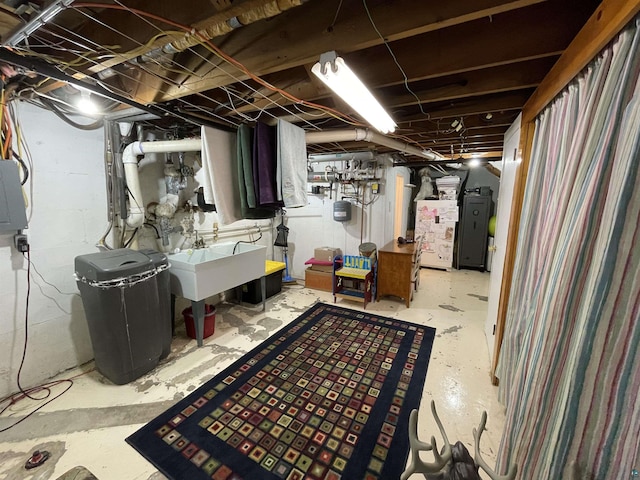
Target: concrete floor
(87, 425)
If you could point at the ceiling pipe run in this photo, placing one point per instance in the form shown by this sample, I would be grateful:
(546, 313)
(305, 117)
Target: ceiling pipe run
(235, 17)
(135, 212)
(366, 135)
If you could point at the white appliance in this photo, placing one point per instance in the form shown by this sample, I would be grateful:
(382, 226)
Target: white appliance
(436, 222)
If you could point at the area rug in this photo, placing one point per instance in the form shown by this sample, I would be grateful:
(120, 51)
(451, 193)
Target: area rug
(77, 473)
(327, 397)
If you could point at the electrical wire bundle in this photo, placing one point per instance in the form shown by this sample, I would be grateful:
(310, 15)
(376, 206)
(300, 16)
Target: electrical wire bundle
(32, 393)
(94, 55)
(8, 123)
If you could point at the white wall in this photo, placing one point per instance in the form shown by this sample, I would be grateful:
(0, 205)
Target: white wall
(313, 226)
(67, 216)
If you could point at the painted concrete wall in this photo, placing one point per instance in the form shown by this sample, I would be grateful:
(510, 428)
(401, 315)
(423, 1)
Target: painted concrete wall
(153, 189)
(67, 214)
(313, 226)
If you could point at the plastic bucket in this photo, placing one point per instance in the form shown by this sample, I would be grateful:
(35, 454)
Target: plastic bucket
(209, 321)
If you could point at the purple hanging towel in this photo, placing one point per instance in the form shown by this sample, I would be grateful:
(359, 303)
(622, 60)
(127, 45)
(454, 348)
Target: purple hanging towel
(264, 165)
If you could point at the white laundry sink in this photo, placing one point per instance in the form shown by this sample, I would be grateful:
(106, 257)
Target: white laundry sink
(198, 274)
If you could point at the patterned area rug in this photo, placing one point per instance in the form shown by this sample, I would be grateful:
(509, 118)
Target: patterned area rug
(78, 473)
(327, 397)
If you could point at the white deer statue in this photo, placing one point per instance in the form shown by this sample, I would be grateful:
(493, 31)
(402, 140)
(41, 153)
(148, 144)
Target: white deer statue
(453, 462)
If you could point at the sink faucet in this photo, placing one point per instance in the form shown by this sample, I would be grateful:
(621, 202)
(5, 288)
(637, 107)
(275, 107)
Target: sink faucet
(199, 243)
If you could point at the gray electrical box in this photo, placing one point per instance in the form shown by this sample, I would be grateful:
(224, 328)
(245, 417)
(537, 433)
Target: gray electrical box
(13, 215)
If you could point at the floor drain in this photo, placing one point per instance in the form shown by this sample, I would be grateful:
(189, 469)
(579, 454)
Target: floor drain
(37, 459)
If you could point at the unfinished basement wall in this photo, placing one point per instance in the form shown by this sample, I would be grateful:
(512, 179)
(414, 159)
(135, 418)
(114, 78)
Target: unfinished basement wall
(67, 215)
(313, 226)
(153, 187)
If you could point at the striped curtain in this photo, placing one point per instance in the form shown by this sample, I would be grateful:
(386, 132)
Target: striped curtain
(569, 368)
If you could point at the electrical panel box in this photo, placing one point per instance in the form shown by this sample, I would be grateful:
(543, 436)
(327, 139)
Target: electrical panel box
(13, 215)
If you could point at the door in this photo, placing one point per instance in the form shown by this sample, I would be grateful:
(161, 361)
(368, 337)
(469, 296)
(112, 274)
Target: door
(503, 214)
(398, 212)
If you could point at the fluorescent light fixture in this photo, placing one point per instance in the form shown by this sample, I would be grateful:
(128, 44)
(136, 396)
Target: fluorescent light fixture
(44, 17)
(335, 73)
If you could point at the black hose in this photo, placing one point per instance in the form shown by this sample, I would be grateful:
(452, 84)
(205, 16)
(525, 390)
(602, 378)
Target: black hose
(130, 241)
(24, 168)
(90, 126)
(244, 241)
(147, 224)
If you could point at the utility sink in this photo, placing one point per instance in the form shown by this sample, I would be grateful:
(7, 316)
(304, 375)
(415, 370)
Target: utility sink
(198, 274)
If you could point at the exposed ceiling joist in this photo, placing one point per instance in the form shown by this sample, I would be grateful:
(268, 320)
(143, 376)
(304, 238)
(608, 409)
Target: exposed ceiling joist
(464, 69)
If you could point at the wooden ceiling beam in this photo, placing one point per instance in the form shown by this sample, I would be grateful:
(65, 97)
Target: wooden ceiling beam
(496, 139)
(293, 40)
(503, 39)
(435, 135)
(503, 78)
(478, 81)
(476, 106)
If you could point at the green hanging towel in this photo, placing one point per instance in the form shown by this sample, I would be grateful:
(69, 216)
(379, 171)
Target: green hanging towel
(245, 176)
(245, 149)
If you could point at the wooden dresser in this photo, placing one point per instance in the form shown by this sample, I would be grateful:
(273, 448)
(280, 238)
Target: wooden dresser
(399, 270)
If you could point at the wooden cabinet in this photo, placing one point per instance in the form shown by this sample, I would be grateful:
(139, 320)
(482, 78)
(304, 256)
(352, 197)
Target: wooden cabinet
(354, 279)
(399, 270)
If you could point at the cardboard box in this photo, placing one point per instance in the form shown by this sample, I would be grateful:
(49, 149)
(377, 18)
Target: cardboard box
(326, 254)
(318, 280)
(322, 268)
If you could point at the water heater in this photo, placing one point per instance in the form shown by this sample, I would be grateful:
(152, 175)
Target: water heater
(342, 211)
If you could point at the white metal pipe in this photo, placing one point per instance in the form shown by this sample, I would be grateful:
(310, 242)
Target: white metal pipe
(168, 146)
(366, 135)
(346, 156)
(135, 217)
(329, 136)
(256, 224)
(209, 233)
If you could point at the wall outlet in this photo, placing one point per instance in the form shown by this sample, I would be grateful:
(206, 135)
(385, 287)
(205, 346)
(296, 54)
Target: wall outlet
(21, 242)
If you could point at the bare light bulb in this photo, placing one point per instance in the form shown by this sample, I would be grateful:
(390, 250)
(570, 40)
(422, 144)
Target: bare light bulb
(474, 162)
(85, 104)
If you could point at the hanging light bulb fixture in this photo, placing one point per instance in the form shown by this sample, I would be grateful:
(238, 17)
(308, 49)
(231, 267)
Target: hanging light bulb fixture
(85, 104)
(335, 73)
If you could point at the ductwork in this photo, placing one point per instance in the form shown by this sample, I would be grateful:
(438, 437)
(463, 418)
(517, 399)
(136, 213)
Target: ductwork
(335, 157)
(135, 213)
(366, 135)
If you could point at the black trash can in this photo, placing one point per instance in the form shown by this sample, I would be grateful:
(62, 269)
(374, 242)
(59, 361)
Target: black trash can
(163, 281)
(126, 299)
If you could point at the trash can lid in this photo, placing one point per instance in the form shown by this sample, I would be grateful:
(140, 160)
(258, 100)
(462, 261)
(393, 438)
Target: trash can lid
(112, 264)
(158, 258)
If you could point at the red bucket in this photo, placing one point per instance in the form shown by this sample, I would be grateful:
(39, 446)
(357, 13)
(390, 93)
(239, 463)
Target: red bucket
(209, 321)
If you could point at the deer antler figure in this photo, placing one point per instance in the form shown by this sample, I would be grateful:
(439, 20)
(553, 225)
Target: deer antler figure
(453, 462)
